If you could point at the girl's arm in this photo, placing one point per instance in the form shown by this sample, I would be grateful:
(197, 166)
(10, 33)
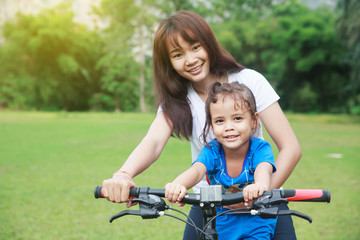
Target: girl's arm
(262, 177)
(176, 190)
(116, 189)
(282, 134)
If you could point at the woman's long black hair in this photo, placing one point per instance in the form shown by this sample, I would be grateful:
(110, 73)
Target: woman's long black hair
(171, 88)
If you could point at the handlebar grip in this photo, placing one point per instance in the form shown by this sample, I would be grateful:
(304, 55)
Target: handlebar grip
(306, 195)
(98, 192)
(190, 198)
(134, 192)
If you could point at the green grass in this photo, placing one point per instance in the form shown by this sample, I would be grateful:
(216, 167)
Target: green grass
(50, 163)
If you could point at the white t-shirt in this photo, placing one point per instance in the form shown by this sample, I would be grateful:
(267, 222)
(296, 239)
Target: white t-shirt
(264, 94)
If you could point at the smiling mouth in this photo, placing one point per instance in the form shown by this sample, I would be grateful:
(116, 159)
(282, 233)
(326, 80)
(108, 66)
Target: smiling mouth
(195, 69)
(230, 137)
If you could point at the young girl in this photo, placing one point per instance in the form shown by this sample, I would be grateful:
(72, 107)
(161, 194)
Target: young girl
(186, 60)
(234, 159)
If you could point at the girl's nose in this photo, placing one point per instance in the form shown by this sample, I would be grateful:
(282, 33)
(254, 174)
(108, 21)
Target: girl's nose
(229, 126)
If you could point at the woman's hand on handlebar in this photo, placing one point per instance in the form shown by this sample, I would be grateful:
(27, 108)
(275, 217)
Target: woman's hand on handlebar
(174, 192)
(117, 188)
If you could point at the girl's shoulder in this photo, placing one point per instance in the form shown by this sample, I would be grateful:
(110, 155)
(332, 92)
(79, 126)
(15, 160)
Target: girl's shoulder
(260, 148)
(260, 151)
(214, 145)
(256, 143)
(213, 148)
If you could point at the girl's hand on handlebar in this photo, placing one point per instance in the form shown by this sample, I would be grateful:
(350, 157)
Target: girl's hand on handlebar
(117, 188)
(253, 191)
(174, 192)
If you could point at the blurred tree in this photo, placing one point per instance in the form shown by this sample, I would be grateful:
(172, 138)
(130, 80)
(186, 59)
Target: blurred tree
(48, 62)
(241, 9)
(348, 26)
(296, 49)
(312, 52)
(127, 54)
(129, 41)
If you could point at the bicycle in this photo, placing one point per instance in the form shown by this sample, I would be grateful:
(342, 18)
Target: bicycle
(152, 204)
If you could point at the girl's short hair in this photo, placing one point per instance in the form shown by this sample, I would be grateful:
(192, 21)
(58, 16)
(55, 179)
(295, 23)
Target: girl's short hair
(172, 88)
(240, 93)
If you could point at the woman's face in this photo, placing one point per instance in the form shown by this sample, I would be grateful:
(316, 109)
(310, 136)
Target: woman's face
(190, 61)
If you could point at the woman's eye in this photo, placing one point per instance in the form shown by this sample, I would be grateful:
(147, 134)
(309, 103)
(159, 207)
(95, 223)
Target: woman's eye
(177, 55)
(197, 47)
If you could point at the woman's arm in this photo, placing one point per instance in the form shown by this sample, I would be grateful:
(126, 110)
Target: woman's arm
(282, 134)
(176, 190)
(116, 189)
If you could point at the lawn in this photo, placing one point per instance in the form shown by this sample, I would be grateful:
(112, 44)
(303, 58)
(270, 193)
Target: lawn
(50, 163)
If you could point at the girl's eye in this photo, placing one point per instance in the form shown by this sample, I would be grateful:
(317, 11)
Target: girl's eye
(219, 121)
(237, 118)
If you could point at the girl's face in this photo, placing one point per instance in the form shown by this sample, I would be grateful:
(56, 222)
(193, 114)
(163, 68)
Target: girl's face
(190, 61)
(232, 125)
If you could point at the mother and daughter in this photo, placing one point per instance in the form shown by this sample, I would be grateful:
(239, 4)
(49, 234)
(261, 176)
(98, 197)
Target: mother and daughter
(187, 60)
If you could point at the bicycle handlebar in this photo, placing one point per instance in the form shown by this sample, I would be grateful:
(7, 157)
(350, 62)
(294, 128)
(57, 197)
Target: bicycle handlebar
(151, 204)
(299, 195)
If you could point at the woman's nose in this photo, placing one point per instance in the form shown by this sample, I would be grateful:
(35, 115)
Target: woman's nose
(190, 59)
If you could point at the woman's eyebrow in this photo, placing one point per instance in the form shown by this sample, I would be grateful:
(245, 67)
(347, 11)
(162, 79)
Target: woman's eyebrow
(174, 50)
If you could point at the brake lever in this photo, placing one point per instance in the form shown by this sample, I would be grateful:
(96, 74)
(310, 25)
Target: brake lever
(150, 206)
(267, 206)
(295, 213)
(123, 213)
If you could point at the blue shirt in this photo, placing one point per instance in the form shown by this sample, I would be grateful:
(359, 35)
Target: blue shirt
(238, 226)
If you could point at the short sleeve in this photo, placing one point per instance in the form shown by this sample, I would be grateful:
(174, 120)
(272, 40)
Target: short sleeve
(261, 152)
(210, 156)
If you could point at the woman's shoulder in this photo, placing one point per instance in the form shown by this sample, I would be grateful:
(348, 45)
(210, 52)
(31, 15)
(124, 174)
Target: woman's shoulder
(246, 75)
(264, 93)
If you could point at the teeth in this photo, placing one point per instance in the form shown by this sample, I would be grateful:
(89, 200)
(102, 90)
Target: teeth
(195, 69)
(232, 136)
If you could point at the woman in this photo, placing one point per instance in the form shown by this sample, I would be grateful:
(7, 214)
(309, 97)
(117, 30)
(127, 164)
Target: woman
(187, 59)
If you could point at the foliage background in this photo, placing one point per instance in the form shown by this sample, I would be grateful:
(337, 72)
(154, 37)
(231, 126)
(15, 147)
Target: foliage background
(309, 54)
